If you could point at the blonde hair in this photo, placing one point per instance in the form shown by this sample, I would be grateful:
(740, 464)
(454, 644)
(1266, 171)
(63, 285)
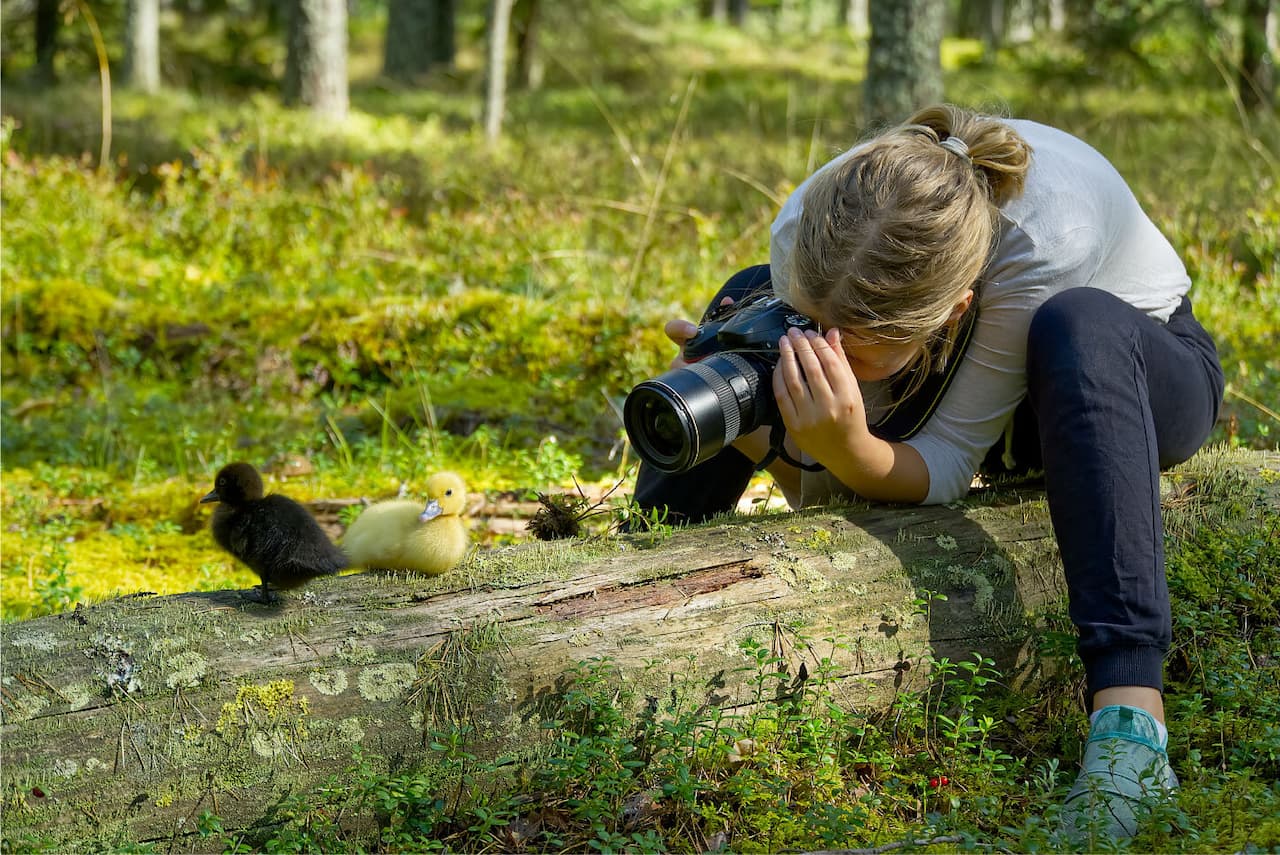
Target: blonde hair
(891, 238)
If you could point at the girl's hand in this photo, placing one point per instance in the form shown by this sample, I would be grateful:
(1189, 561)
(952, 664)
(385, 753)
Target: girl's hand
(818, 396)
(680, 331)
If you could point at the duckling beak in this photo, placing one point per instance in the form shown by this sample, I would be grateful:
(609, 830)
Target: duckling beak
(211, 497)
(430, 512)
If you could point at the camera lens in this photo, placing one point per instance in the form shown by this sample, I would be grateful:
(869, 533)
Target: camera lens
(687, 415)
(664, 428)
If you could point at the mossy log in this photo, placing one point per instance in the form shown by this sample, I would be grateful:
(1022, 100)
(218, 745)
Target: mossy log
(124, 721)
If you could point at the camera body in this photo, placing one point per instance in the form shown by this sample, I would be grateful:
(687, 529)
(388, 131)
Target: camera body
(689, 414)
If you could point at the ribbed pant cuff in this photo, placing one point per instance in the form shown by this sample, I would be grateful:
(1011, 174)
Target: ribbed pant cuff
(1124, 666)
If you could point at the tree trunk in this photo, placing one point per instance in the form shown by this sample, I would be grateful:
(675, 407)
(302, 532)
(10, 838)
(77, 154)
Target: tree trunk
(904, 69)
(444, 34)
(48, 21)
(530, 65)
(495, 102)
(420, 36)
(316, 66)
(1056, 16)
(123, 721)
(1257, 66)
(852, 14)
(409, 49)
(143, 47)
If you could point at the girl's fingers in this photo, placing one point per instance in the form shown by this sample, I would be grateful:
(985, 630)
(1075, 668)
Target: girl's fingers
(781, 386)
(680, 330)
(810, 363)
(835, 364)
(789, 369)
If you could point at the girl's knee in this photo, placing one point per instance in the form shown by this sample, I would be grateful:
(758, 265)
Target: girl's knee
(1078, 327)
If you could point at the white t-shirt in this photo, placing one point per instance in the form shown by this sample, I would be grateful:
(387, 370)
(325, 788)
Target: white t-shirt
(1075, 225)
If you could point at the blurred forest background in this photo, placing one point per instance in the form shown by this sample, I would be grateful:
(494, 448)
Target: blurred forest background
(354, 242)
(358, 241)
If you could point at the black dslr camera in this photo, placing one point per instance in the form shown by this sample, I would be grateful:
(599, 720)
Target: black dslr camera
(687, 415)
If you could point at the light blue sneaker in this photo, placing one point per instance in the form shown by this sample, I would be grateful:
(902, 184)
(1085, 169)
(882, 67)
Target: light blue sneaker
(1125, 769)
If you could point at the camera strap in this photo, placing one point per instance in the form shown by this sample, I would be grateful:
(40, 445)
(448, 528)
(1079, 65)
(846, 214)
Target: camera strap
(777, 433)
(909, 414)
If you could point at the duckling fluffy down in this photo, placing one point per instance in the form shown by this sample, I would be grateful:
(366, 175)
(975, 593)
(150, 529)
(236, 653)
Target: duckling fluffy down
(402, 535)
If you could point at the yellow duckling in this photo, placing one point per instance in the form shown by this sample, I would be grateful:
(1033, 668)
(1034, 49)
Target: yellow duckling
(402, 535)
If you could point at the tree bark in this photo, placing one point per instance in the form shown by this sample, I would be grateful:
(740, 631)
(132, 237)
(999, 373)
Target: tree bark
(48, 22)
(1257, 66)
(444, 34)
(409, 48)
(852, 14)
(125, 720)
(495, 102)
(143, 47)
(420, 36)
(530, 65)
(316, 66)
(904, 69)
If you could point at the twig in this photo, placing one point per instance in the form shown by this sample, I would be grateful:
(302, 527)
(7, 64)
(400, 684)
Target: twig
(1256, 403)
(754, 185)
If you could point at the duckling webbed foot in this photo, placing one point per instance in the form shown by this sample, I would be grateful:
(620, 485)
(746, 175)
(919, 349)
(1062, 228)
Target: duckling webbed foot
(262, 594)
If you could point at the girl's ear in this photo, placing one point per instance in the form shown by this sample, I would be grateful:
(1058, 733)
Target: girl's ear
(962, 305)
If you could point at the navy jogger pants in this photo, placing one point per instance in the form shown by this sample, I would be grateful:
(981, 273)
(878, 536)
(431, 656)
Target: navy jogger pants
(1114, 396)
(1117, 397)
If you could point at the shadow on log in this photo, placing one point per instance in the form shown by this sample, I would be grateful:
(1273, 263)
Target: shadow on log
(123, 721)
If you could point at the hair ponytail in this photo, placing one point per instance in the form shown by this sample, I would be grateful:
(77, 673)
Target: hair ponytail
(998, 153)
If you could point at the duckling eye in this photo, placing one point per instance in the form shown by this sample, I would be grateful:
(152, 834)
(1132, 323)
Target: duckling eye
(448, 492)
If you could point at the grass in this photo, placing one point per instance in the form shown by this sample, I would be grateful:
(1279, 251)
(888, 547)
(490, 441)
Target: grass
(393, 296)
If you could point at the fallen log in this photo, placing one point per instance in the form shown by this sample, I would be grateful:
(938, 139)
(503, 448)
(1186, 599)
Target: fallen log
(124, 720)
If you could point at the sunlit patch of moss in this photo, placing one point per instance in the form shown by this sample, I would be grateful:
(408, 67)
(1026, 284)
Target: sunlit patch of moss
(103, 564)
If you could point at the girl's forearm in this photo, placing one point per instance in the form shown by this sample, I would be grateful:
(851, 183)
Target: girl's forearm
(883, 471)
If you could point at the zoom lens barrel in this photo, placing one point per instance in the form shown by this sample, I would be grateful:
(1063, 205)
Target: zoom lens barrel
(687, 415)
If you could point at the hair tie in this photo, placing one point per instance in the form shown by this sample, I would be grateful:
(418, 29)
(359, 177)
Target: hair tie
(955, 145)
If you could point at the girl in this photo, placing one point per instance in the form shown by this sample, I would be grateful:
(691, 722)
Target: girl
(997, 282)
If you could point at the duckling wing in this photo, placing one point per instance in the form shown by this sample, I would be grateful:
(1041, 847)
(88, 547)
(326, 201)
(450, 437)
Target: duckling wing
(306, 545)
(437, 546)
(376, 538)
(278, 539)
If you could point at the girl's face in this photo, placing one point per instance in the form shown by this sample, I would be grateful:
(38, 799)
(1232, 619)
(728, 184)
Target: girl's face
(875, 359)
(872, 360)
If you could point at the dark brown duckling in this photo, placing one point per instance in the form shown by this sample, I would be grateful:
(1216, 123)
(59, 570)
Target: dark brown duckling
(273, 535)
